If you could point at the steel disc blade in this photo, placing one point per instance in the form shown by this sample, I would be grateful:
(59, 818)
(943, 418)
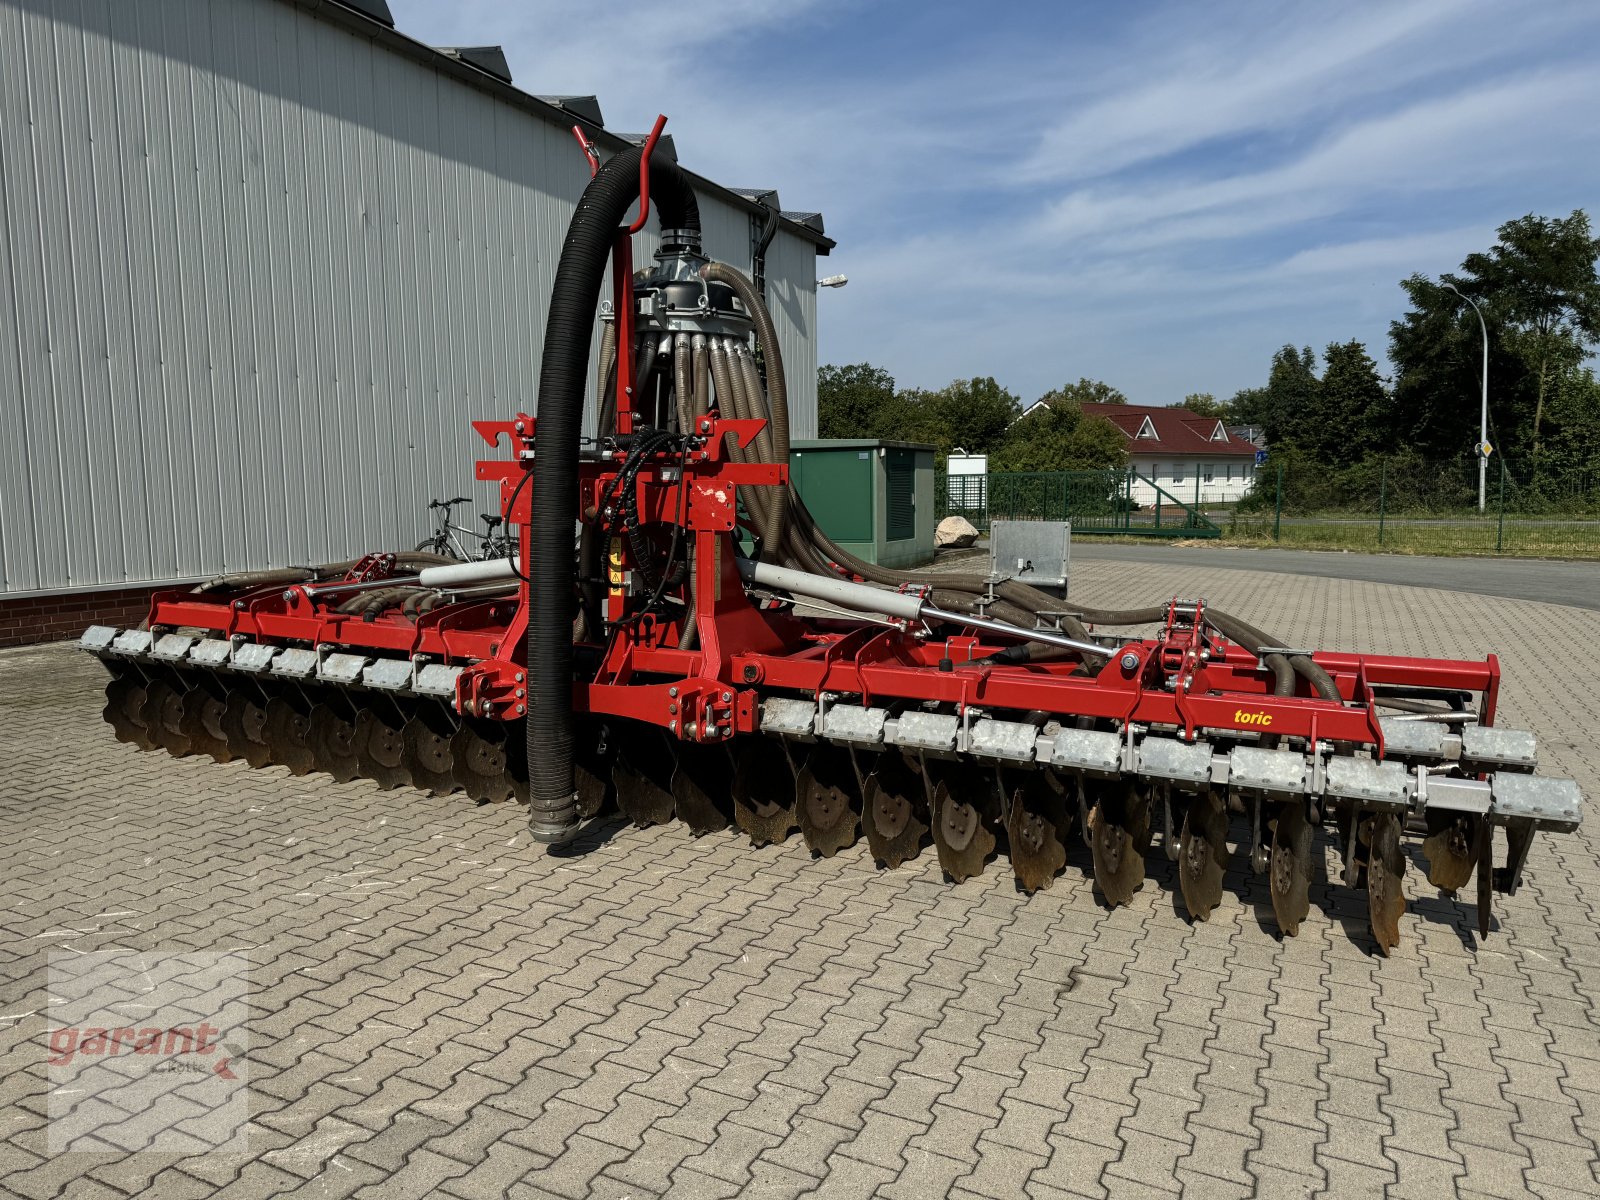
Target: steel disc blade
(1451, 848)
(1289, 873)
(642, 775)
(1386, 868)
(287, 733)
(429, 752)
(965, 798)
(380, 747)
(826, 802)
(478, 761)
(592, 760)
(125, 700)
(702, 787)
(763, 790)
(199, 715)
(1203, 853)
(332, 737)
(1119, 832)
(203, 707)
(163, 717)
(894, 810)
(1040, 822)
(244, 718)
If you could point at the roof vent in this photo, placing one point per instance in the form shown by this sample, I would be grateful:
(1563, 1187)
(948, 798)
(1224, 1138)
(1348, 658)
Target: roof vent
(378, 10)
(491, 60)
(585, 108)
(664, 143)
(811, 220)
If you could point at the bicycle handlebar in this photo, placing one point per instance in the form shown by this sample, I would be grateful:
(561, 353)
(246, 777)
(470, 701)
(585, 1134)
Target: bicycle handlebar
(449, 503)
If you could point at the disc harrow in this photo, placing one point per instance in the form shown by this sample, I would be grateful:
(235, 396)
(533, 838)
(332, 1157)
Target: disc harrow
(707, 654)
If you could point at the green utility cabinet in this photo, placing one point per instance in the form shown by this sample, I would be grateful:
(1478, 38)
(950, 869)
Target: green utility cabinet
(875, 498)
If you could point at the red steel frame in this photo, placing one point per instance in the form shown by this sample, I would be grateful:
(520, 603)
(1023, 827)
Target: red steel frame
(1186, 678)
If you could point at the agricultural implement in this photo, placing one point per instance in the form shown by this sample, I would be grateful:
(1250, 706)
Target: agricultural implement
(705, 652)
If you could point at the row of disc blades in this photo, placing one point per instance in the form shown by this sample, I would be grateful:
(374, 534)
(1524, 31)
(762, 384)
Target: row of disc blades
(833, 796)
(900, 804)
(395, 743)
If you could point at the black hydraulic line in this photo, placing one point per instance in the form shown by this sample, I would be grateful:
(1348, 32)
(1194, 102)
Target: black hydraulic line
(552, 794)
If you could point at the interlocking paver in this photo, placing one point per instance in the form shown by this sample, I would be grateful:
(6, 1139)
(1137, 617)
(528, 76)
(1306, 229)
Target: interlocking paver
(442, 1009)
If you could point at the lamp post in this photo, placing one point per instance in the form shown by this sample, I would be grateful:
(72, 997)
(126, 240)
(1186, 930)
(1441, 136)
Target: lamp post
(1483, 421)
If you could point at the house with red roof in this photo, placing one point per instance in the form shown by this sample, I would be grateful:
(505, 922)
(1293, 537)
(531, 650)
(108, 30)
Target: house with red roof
(1182, 453)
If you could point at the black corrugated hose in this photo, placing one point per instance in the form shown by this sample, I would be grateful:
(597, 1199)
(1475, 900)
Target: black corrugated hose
(553, 491)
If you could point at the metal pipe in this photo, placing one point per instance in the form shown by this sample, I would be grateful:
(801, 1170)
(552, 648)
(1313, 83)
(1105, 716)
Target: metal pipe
(907, 606)
(1048, 637)
(366, 585)
(466, 574)
(1483, 419)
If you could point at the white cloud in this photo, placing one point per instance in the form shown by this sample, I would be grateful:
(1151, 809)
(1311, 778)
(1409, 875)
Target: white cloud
(1157, 195)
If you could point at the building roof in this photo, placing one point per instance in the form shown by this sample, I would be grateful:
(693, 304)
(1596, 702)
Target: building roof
(1152, 429)
(485, 68)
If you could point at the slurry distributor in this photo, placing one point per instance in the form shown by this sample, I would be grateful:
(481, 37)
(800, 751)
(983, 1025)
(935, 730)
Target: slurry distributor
(706, 652)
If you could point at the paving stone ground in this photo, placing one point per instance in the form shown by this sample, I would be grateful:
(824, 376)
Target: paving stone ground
(442, 1009)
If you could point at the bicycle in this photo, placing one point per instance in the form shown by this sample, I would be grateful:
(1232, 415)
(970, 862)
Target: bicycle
(494, 542)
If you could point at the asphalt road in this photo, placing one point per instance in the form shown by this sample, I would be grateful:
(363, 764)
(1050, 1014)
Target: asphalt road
(1546, 581)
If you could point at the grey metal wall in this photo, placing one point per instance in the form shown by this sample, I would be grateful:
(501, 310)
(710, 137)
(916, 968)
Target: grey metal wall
(257, 275)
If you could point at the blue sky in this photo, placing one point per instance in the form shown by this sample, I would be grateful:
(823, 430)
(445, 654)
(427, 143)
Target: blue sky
(1154, 194)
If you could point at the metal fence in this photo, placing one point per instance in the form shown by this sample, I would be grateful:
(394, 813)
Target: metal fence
(1094, 501)
(1422, 506)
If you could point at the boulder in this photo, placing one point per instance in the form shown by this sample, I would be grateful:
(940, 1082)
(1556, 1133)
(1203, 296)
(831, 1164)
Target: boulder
(955, 533)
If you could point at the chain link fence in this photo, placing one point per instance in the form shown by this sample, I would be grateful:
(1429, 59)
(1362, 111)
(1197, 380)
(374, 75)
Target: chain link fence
(1113, 501)
(1421, 506)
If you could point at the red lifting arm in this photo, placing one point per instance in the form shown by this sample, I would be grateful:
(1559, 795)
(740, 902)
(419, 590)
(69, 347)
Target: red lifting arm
(588, 150)
(644, 174)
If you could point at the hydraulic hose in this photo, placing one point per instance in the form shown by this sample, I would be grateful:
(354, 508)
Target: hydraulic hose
(553, 490)
(807, 544)
(778, 393)
(702, 376)
(681, 391)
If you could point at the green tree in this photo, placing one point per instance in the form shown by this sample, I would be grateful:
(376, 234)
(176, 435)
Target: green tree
(854, 401)
(1249, 406)
(1541, 276)
(971, 413)
(1204, 404)
(1085, 391)
(1340, 428)
(1540, 295)
(1060, 438)
(1572, 441)
(1292, 395)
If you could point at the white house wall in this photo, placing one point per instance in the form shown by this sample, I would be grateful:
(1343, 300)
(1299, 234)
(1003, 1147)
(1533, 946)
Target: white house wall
(1229, 481)
(257, 275)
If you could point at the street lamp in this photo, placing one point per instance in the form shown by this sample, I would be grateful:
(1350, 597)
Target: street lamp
(1483, 423)
(833, 281)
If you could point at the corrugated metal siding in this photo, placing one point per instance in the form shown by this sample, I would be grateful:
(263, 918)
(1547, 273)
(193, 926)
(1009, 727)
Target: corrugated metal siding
(792, 299)
(257, 275)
